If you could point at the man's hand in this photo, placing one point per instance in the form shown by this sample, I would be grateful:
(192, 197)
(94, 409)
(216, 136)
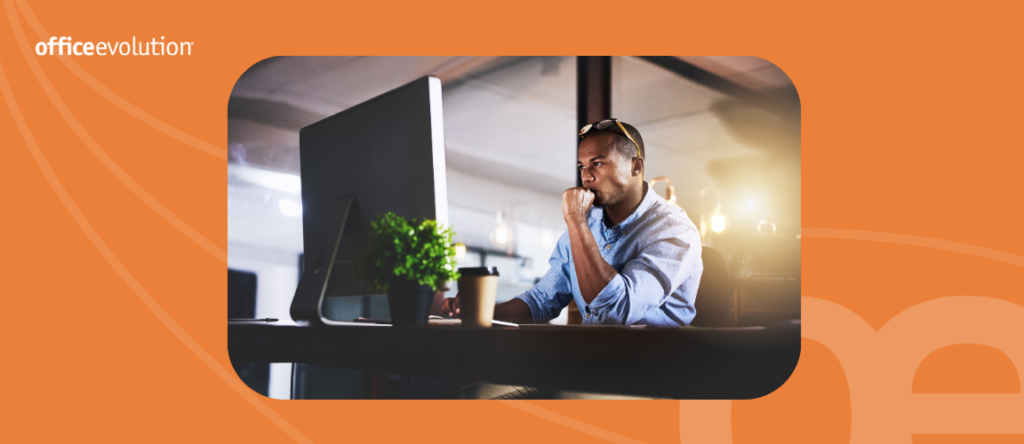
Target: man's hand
(592, 272)
(576, 204)
(515, 311)
(450, 306)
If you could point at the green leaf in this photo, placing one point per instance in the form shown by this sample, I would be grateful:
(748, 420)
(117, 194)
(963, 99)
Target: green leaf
(420, 251)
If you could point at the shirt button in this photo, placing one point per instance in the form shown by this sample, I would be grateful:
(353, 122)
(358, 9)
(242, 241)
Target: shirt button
(588, 315)
(608, 247)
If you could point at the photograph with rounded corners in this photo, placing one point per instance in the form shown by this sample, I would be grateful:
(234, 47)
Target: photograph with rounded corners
(514, 227)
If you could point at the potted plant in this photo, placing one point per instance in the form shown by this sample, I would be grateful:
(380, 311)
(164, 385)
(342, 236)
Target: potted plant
(408, 261)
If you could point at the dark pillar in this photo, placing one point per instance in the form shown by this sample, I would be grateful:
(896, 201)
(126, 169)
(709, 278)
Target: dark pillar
(593, 92)
(593, 103)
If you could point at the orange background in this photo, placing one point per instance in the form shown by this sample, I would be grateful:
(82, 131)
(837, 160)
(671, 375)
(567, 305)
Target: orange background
(911, 125)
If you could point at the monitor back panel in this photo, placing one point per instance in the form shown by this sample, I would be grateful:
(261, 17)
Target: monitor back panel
(388, 152)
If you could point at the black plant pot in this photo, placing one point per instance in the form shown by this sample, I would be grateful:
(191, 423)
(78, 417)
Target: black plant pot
(409, 303)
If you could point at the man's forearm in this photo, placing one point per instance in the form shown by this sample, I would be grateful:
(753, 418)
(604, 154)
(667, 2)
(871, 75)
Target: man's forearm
(515, 311)
(592, 272)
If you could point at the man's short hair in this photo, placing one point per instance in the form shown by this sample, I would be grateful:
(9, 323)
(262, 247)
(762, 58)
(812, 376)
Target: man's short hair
(623, 145)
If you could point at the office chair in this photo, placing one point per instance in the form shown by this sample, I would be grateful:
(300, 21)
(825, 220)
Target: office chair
(714, 295)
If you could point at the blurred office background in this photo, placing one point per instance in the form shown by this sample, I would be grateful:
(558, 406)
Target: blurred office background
(724, 130)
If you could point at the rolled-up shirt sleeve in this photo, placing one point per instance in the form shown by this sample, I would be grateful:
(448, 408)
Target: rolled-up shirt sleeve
(547, 299)
(647, 281)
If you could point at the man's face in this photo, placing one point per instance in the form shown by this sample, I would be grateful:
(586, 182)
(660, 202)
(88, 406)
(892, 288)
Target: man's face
(603, 170)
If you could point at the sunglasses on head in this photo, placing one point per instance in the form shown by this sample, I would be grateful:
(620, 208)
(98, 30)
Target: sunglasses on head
(606, 125)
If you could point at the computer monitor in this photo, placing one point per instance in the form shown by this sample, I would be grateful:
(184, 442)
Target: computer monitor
(385, 154)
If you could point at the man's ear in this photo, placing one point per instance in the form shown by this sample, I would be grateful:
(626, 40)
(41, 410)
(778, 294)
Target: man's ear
(638, 166)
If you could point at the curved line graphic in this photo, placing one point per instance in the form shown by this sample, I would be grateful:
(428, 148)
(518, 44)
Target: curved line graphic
(917, 241)
(566, 421)
(126, 276)
(97, 151)
(133, 110)
(220, 153)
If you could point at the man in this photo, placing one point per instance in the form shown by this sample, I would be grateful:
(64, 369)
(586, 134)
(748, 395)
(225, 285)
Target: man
(627, 258)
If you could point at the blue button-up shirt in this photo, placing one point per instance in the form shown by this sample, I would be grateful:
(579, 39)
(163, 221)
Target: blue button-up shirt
(656, 252)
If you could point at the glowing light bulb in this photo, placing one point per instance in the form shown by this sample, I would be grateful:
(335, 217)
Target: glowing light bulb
(460, 250)
(752, 204)
(718, 223)
(501, 235)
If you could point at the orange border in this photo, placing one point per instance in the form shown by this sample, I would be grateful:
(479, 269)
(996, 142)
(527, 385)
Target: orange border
(115, 229)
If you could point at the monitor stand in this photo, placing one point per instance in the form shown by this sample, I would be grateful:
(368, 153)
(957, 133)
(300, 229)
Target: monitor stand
(309, 295)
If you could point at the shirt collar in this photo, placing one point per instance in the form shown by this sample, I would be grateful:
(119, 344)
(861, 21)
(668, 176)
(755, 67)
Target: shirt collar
(646, 203)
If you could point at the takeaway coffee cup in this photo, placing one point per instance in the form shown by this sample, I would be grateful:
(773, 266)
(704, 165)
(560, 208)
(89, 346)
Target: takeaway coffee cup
(477, 288)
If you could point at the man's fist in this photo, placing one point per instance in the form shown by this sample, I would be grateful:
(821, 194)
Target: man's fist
(576, 203)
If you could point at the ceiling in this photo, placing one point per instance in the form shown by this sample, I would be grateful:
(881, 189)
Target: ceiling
(509, 121)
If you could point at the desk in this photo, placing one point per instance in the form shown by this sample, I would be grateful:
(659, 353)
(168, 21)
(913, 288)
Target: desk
(662, 362)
